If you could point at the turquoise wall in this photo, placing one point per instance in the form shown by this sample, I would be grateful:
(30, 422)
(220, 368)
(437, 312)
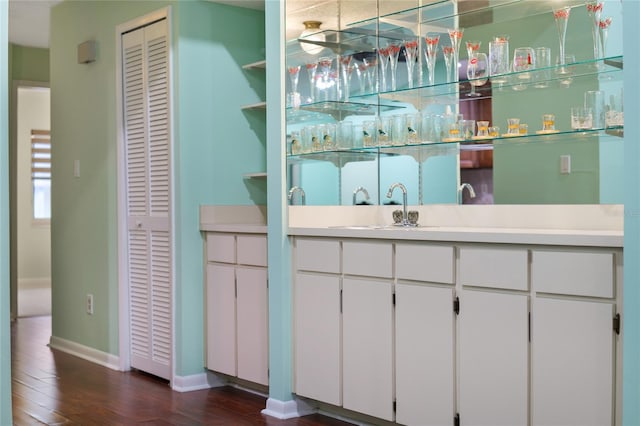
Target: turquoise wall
(631, 318)
(5, 334)
(214, 143)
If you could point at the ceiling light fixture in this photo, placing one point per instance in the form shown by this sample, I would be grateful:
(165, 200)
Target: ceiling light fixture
(312, 32)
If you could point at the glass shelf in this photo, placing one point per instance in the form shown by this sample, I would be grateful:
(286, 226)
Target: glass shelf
(338, 110)
(255, 65)
(439, 15)
(424, 150)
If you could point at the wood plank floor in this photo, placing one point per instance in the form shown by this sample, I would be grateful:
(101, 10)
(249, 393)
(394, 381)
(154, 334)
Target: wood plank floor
(54, 388)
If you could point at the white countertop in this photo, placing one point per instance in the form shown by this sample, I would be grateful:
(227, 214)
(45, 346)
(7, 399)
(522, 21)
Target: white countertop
(571, 225)
(234, 219)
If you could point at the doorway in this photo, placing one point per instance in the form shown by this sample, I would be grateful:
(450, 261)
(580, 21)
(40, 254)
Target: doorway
(32, 186)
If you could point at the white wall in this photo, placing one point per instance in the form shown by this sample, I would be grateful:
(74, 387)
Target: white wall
(34, 238)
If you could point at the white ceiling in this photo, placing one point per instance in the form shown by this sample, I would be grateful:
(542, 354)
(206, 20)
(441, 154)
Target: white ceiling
(29, 22)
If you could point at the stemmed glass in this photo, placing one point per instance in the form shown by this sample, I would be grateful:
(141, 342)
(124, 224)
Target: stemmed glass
(604, 32)
(594, 9)
(325, 76)
(561, 16)
(294, 74)
(345, 67)
(394, 51)
(311, 67)
(410, 54)
(447, 52)
(455, 34)
(430, 54)
(361, 72)
(477, 71)
(383, 53)
(371, 63)
(472, 46)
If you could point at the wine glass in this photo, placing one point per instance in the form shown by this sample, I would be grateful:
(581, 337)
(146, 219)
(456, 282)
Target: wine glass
(477, 71)
(430, 53)
(594, 10)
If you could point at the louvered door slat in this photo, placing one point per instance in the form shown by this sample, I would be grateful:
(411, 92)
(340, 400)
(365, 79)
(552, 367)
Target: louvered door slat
(146, 97)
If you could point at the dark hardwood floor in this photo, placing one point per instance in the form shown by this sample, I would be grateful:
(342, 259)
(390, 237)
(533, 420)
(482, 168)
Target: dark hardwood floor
(54, 388)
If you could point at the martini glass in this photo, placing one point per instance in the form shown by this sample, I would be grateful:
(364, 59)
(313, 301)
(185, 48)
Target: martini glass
(455, 34)
(410, 54)
(394, 51)
(311, 67)
(430, 54)
(561, 16)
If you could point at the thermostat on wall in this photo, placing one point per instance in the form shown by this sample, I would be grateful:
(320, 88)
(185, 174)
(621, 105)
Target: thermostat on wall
(87, 52)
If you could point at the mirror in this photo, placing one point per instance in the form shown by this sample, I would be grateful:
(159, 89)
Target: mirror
(540, 169)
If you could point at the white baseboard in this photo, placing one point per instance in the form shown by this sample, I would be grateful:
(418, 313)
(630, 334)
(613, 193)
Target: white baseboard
(287, 409)
(196, 382)
(85, 352)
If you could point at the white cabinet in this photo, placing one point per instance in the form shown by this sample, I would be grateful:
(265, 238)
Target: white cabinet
(573, 362)
(317, 343)
(424, 361)
(237, 306)
(493, 352)
(367, 327)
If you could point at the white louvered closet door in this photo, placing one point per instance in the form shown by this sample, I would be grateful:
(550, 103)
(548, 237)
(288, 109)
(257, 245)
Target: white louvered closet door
(145, 59)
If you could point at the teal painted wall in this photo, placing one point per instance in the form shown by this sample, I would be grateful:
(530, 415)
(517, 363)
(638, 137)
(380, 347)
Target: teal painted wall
(5, 334)
(214, 143)
(631, 344)
(218, 143)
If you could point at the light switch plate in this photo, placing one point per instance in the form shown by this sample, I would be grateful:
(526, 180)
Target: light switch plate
(565, 164)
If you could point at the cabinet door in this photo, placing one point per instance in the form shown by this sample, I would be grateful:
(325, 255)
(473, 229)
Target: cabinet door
(221, 319)
(493, 351)
(424, 355)
(252, 325)
(573, 362)
(317, 337)
(367, 327)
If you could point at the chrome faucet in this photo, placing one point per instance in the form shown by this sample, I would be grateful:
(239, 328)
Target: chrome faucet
(295, 189)
(360, 189)
(405, 218)
(461, 188)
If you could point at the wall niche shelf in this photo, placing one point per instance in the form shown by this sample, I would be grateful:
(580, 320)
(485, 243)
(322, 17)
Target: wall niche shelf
(255, 65)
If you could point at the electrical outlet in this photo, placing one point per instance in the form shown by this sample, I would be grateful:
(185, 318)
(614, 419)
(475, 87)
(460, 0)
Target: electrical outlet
(90, 304)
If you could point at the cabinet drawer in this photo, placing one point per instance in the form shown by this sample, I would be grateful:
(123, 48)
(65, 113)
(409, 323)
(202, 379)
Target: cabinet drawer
(221, 248)
(252, 250)
(318, 255)
(574, 273)
(423, 262)
(372, 259)
(494, 267)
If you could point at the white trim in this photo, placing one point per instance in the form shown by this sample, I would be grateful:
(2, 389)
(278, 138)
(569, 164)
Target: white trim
(123, 294)
(85, 352)
(287, 409)
(193, 382)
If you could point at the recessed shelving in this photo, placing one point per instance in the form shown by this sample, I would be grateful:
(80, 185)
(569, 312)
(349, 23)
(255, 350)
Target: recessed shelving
(256, 175)
(255, 65)
(257, 105)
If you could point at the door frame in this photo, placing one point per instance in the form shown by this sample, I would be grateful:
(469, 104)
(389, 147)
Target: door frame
(124, 336)
(13, 189)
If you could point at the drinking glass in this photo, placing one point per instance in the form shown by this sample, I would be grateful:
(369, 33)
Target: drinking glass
(548, 122)
(430, 54)
(394, 51)
(499, 58)
(455, 34)
(410, 55)
(523, 61)
(398, 129)
(581, 118)
(413, 128)
(561, 17)
(543, 64)
(594, 100)
(483, 129)
(369, 130)
(311, 67)
(345, 135)
(325, 82)
(513, 126)
(477, 71)
(467, 128)
(328, 132)
(383, 130)
(295, 147)
(565, 71)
